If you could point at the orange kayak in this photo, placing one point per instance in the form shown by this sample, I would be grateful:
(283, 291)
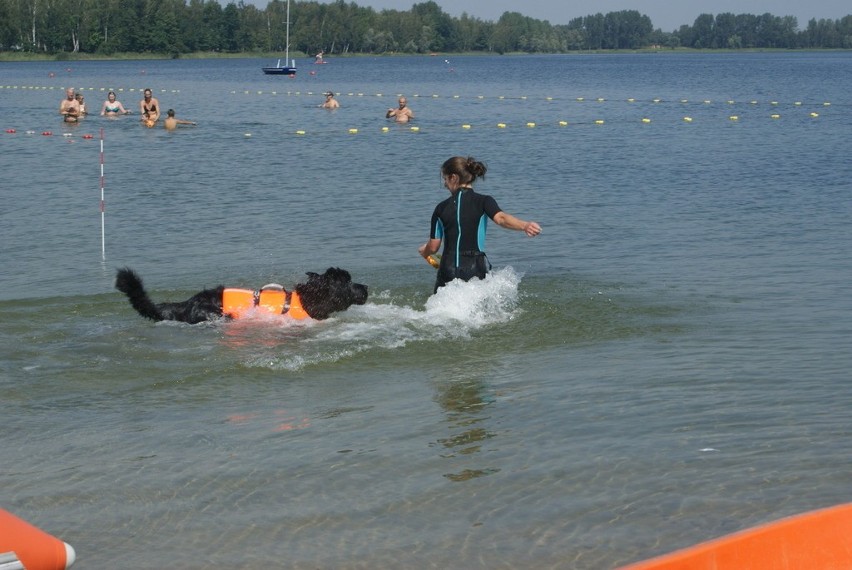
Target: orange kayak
(817, 540)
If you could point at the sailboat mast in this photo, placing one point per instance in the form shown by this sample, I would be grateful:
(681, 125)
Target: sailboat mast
(287, 46)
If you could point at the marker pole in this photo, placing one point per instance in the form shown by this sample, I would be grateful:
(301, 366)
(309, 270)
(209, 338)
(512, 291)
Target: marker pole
(103, 208)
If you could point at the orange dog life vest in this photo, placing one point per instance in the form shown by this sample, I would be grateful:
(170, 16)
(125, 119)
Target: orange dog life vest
(237, 303)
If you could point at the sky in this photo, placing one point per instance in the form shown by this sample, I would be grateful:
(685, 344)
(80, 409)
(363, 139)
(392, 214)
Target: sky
(666, 14)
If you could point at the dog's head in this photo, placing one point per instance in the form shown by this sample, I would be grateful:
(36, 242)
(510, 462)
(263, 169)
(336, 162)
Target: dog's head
(330, 292)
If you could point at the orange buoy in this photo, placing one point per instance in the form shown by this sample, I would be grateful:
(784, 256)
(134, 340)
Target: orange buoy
(46, 133)
(816, 539)
(11, 131)
(33, 547)
(87, 136)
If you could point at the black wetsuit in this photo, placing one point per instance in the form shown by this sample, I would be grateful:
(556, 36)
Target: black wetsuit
(460, 221)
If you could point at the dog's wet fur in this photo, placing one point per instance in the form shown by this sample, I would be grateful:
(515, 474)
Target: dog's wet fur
(321, 295)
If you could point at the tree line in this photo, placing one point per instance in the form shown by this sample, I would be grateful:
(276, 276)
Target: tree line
(177, 27)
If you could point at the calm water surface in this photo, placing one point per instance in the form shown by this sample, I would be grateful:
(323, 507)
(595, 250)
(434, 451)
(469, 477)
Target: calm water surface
(666, 363)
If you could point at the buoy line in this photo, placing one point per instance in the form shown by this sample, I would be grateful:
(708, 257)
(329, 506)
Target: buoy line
(471, 127)
(457, 97)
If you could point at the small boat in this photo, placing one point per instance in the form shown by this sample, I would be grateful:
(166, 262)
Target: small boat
(281, 69)
(816, 540)
(284, 69)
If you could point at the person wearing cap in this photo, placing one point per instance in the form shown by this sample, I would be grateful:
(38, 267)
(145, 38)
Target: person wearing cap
(330, 101)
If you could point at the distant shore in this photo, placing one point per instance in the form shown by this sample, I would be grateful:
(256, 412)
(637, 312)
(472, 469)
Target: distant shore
(65, 56)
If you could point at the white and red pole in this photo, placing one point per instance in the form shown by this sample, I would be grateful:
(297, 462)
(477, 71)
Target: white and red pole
(103, 207)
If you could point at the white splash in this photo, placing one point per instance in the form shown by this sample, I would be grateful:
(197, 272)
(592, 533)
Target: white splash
(455, 311)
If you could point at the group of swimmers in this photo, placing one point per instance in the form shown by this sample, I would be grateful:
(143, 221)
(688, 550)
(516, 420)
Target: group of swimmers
(73, 108)
(400, 114)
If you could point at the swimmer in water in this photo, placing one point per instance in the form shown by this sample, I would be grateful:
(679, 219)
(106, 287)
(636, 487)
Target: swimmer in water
(112, 107)
(69, 108)
(149, 107)
(171, 122)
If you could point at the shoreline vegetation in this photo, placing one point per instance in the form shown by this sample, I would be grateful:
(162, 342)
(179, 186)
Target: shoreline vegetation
(153, 29)
(20, 57)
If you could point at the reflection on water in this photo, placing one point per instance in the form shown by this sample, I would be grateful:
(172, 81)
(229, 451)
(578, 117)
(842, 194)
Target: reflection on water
(467, 415)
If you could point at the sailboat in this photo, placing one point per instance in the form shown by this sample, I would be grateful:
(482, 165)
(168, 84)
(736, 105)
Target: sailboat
(284, 69)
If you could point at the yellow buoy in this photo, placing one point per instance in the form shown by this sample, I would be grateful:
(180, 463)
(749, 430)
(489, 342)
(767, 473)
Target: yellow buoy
(631, 100)
(601, 99)
(798, 103)
(530, 124)
(646, 120)
(775, 116)
(734, 118)
(415, 129)
(580, 99)
(300, 132)
(753, 102)
(684, 100)
(773, 102)
(385, 129)
(599, 122)
(656, 100)
(826, 104)
(814, 115)
(353, 131)
(501, 125)
(563, 123)
(687, 119)
(465, 126)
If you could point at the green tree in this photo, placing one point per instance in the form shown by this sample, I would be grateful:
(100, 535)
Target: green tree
(230, 27)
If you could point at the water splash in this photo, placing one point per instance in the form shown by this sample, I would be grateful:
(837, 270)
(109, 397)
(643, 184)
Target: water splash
(456, 311)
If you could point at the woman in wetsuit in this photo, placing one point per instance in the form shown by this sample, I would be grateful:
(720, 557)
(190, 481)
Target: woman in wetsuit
(149, 108)
(460, 220)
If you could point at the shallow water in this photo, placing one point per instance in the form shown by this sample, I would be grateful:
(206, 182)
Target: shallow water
(666, 363)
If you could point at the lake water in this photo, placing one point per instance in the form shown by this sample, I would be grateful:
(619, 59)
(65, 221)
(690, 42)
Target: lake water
(668, 362)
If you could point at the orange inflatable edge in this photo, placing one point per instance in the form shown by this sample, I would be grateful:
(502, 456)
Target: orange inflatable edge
(34, 548)
(809, 541)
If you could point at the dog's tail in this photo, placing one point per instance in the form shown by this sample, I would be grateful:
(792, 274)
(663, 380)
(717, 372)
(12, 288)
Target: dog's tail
(129, 283)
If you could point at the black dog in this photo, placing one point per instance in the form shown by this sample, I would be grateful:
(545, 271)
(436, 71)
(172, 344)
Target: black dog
(321, 296)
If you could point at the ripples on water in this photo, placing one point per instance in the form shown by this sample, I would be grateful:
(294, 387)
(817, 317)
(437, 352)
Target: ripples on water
(664, 364)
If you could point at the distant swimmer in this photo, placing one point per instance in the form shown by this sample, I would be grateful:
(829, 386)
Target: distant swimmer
(69, 108)
(171, 122)
(401, 114)
(112, 107)
(149, 108)
(330, 101)
(319, 57)
(459, 221)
